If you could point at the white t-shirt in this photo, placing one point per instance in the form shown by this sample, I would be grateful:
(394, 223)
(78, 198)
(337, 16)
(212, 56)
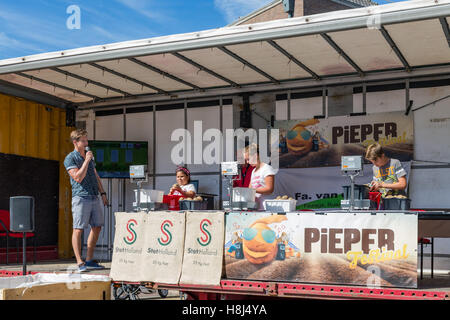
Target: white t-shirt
(258, 181)
(186, 188)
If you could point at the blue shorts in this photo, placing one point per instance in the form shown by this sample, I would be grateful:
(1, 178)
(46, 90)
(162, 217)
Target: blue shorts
(87, 211)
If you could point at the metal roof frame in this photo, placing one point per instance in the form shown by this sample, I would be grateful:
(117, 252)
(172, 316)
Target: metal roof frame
(446, 29)
(341, 52)
(395, 48)
(128, 78)
(55, 85)
(293, 59)
(90, 81)
(203, 68)
(248, 64)
(357, 84)
(32, 94)
(322, 23)
(163, 73)
(397, 75)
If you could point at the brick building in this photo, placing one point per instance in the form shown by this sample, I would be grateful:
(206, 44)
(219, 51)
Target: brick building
(275, 11)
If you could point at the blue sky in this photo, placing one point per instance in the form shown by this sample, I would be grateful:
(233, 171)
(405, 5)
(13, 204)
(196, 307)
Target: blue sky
(37, 26)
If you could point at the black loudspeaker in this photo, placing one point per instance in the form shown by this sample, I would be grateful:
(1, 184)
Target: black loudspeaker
(21, 214)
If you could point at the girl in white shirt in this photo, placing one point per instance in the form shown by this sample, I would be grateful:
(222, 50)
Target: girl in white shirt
(183, 187)
(263, 176)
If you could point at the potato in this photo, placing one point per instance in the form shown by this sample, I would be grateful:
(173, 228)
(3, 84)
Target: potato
(199, 198)
(188, 199)
(181, 199)
(278, 198)
(284, 197)
(290, 198)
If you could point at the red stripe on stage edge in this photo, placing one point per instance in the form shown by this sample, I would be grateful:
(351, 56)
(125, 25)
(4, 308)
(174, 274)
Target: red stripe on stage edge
(285, 289)
(7, 273)
(290, 290)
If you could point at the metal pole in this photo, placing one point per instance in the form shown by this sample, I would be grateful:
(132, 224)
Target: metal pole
(119, 195)
(109, 220)
(289, 105)
(24, 260)
(94, 134)
(105, 249)
(124, 194)
(364, 97)
(421, 259)
(407, 94)
(154, 147)
(121, 182)
(138, 200)
(352, 192)
(432, 257)
(324, 101)
(221, 151)
(185, 138)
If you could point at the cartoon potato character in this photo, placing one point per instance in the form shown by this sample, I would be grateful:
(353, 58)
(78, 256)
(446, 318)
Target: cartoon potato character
(259, 243)
(299, 139)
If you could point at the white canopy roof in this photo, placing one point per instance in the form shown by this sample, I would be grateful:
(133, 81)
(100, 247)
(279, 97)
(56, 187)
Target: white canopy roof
(407, 37)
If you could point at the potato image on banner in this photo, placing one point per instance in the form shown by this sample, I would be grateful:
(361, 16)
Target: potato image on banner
(299, 140)
(260, 245)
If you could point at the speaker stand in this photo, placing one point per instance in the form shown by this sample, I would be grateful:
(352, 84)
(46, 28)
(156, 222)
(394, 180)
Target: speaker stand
(24, 260)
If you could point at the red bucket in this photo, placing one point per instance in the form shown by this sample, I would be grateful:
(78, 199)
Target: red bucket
(376, 197)
(172, 202)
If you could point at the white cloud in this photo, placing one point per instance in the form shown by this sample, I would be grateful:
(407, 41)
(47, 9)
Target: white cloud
(7, 42)
(26, 34)
(234, 9)
(105, 33)
(145, 8)
(35, 29)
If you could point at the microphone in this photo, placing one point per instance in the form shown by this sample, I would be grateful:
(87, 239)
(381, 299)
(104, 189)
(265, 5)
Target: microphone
(87, 149)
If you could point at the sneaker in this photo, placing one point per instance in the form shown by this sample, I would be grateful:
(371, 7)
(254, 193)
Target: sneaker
(82, 267)
(93, 265)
